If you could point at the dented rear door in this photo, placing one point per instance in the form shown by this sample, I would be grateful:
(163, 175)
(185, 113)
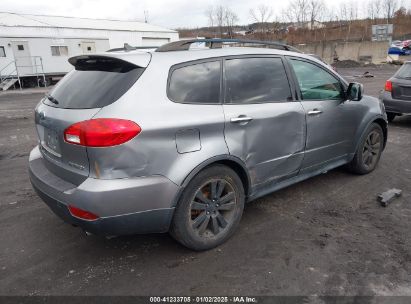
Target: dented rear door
(264, 126)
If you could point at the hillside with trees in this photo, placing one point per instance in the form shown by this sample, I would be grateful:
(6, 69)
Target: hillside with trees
(307, 21)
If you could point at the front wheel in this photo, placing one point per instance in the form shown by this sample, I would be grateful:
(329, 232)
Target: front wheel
(369, 151)
(210, 209)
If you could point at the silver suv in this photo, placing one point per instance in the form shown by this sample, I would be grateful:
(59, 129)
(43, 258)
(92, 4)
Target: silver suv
(178, 139)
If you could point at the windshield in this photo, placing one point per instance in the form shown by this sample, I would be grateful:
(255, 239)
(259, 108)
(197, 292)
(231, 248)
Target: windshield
(94, 83)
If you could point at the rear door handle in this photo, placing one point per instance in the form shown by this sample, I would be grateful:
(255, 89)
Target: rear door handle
(315, 112)
(240, 119)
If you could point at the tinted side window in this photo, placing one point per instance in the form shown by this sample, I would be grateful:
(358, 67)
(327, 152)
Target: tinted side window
(316, 83)
(197, 83)
(256, 80)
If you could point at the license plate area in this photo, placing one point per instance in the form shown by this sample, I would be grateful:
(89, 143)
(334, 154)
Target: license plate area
(406, 91)
(51, 142)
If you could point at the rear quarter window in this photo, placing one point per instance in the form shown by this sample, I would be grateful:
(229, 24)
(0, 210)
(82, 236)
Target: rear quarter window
(197, 83)
(94, 83)
(404, 72)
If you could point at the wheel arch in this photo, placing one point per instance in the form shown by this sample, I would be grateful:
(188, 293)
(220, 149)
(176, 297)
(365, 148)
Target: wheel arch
(384, 126)
(381, 122)
(232, 162)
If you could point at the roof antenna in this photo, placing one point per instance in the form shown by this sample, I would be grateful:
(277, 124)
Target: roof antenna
(128, 47)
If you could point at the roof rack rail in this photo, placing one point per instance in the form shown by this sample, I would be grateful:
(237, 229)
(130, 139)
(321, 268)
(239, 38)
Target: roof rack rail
(128, 48)
(183, 45)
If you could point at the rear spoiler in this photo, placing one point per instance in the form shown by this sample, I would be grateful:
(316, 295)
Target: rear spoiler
(138, 59)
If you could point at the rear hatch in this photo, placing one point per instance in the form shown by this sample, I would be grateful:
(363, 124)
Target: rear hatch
(96, 81)
(401, 83)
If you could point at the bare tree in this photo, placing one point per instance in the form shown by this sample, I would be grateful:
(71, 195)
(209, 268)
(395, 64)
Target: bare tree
(349, 13)
(231, 19)
(262, 15)
(370, 9)
(210, 14)
(219, 12)
(343, 11)
(316, 9)
(389, 7)
(221, 17)
(353, 11)
(377, 8)
(298, 11)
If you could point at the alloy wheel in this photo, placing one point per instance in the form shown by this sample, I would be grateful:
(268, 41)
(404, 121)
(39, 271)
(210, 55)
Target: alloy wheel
(213, 207)
(371, 149)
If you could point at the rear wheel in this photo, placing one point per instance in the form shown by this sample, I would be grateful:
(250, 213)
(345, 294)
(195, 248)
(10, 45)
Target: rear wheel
(391, 116)
(369, 151)
(210, 209)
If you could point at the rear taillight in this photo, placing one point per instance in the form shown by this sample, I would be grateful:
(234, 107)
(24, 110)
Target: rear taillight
(82, 214)
(388, 86)
(101, 132)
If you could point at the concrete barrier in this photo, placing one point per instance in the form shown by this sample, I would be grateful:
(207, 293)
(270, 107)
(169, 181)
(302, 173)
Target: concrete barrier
(366, 51)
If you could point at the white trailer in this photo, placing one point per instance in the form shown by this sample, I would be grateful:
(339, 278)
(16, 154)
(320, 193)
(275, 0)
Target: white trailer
(35, 48)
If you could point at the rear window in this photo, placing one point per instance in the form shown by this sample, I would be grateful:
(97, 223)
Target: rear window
(404, 71)
(196, 83)
(94, 83)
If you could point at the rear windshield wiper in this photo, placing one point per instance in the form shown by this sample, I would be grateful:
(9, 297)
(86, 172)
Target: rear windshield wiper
(52, 99)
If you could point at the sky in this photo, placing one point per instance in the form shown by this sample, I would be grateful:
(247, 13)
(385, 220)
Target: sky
(170, 14)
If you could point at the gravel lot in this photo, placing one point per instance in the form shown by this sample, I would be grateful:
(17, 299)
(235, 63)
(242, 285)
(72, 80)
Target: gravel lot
(325, 236)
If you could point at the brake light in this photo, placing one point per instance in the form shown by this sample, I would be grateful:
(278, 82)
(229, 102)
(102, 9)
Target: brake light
(82, 214)
(101, 132)
(388, 86)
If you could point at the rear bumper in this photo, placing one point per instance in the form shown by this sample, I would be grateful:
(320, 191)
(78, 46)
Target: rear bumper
(395, 105)
(124, 206)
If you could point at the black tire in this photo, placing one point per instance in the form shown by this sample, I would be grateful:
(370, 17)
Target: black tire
(369, 151)
(202, 222)
(391, 116)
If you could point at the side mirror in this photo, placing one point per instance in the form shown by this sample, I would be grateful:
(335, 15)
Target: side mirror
(355, 91)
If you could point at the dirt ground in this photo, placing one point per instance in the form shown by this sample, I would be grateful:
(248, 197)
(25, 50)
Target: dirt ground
(325, 236)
